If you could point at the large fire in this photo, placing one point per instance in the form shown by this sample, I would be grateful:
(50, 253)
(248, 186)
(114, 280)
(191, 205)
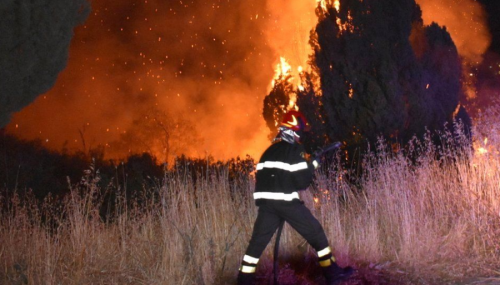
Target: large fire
(199, 72)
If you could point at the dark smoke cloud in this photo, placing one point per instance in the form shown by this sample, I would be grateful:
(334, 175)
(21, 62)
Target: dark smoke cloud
(35, 37)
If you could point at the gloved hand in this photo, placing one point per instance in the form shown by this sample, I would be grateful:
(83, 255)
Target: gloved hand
(317, 156)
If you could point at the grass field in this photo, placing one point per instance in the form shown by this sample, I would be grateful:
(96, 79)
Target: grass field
(407, 221)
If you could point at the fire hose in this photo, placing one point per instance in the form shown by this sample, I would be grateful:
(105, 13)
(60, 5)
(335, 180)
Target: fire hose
(276, 250)
(317, 155)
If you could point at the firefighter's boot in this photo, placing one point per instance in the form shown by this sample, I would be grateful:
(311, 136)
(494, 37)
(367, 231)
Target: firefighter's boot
(333, 273)
(246, 275)
(245, 278)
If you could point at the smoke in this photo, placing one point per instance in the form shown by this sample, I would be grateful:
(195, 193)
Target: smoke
(289, 35)
(204, 61)
(34, 48)
(466, 22)
(209, 63)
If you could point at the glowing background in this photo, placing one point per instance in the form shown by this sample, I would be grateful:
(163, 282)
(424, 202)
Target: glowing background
(209, 62)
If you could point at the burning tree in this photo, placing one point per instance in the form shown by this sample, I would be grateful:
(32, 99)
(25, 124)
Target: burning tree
(284, 95)
(382, 72)
(376, 71)
(278, 99)
(275, 104)
(309, 101)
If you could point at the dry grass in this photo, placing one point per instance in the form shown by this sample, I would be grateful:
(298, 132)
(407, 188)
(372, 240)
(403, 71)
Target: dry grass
(437, 219)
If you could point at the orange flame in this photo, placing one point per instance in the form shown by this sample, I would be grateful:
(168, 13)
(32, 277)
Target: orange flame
(336, 4)
(482, 148)
(351, 91)
(323, 5)
(282, 69)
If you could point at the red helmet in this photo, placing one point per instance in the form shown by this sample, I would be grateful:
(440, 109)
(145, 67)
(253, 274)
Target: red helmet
(295, 121)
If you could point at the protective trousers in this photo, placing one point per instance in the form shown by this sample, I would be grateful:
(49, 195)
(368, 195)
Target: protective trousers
(298, 216)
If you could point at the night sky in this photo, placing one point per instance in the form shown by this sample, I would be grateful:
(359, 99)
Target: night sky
(205, 65)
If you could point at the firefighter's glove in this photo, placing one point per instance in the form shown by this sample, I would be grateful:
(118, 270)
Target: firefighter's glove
(317, 158)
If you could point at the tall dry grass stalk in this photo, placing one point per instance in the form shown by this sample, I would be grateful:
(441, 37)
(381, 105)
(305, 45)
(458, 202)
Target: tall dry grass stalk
(434, 217)
(187, 233)
(425, 216)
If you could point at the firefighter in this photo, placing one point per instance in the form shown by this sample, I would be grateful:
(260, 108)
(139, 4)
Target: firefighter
(281, 172)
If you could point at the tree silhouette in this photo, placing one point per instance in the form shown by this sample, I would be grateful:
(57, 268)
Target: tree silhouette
(276, 103)
(309, 103)
(382, 72)
(159, 134)
(34, 48)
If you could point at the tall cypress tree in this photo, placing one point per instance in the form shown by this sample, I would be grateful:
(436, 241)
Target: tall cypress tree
(382, 72)
(378, 71)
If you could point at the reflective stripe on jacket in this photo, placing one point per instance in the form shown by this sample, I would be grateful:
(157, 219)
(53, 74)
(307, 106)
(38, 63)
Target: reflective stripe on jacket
(281, 172)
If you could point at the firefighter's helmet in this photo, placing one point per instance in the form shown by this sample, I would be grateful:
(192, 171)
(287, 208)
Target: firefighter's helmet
(295, 121)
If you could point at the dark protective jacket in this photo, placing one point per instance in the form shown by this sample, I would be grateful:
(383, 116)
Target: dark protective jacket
(281, 172)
